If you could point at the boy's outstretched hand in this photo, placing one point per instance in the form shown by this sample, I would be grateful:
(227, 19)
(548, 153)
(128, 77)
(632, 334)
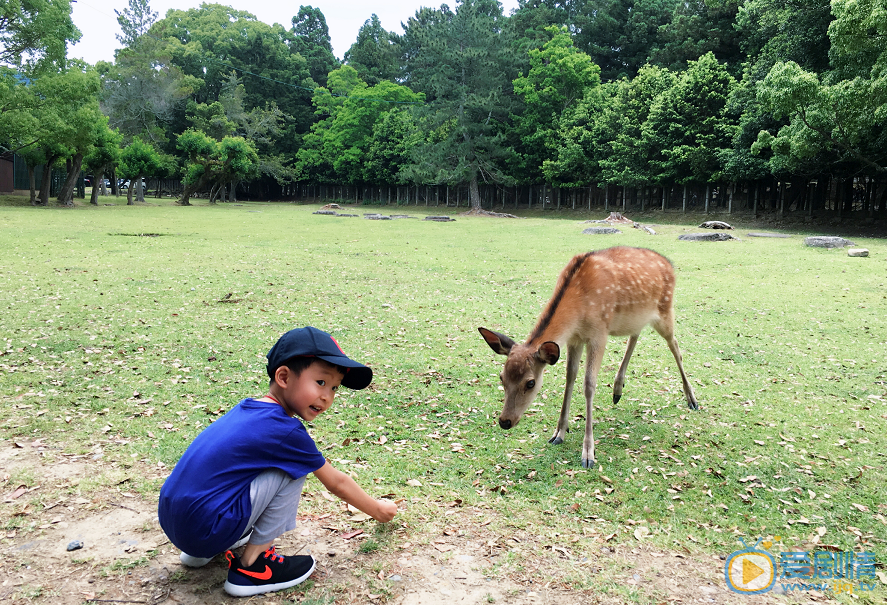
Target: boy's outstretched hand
(342, 486)
(387, 510)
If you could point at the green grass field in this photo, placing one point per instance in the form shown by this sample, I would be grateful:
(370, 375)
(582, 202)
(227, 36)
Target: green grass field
(126, 330)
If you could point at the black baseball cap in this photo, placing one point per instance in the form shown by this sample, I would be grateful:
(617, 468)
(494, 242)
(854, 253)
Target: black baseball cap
(311, 342)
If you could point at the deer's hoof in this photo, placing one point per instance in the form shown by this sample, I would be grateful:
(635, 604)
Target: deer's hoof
(616, 398)
(692, 405)
(556, 440)
(588, 463)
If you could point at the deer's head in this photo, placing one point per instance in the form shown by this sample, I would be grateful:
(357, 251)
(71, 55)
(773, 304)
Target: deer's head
(522, 375)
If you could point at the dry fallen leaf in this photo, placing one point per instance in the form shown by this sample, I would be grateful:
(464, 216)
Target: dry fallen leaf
(414, 483)
(19, 491)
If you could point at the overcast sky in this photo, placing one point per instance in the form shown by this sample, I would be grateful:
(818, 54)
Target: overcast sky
(98, 23)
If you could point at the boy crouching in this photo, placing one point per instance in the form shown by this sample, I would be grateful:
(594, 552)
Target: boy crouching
(240, 480)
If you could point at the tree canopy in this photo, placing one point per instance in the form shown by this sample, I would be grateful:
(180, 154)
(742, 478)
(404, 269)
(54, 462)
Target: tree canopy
(567, 93)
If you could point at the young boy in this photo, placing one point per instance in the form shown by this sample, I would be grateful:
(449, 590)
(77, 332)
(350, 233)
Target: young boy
(240, 480)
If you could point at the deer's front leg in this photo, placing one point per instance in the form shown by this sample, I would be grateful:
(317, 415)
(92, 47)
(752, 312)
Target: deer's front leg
(574, 353)
(592, 367)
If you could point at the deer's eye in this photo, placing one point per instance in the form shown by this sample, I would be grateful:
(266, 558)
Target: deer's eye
(530, 385)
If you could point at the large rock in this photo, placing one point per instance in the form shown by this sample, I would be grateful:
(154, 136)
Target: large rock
(857, 252)
(706, 237)
(715, 225)
(827, 241)
(600, 231)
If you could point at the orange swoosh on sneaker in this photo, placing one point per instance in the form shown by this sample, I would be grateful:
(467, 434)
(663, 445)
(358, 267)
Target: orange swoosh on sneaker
(263, 575)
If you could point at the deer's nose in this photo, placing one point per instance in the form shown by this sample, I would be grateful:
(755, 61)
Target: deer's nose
(504, 423)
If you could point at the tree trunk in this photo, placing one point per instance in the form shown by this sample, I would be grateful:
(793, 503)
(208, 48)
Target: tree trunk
(99, 178)
(188, 190)
(140, 190)
(47, 180)
(213, 191)
(32, 181)
(66, 195)
(474, 194)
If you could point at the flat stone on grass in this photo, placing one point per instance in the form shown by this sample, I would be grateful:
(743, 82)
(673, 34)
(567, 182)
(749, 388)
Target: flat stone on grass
(827, 241)
(706, 237)
(600, 231)
(857, 252)
(779, 235)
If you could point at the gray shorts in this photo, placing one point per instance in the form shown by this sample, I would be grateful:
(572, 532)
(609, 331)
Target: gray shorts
(274, 496)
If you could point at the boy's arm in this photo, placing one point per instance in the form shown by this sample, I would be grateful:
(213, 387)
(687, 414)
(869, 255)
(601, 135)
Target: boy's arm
(344, 487)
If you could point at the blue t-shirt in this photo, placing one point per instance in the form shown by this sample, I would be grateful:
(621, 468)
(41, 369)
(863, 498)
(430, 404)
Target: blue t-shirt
(204, 504)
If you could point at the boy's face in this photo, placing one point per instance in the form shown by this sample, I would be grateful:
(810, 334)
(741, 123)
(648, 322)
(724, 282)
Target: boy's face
(310, 393)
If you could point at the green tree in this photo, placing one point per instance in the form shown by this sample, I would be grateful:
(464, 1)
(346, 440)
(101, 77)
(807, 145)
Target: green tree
(698, 27)
(211, 118)
(843, 111)
(135, 21)
(620, 35)
(375, 54)
(208, 42)
(463, 63)
(559, 77)
(582, 138)
(784, 30)
(138, 160)
(337, 148)
(624, 154)
(34, 32)
(142, 92)
(18, 102)
(263, 126)
(688, 125)
(311, 40)
(533, 17)
(213, 164)
(103, 157)
(394, 137)
(65, 120)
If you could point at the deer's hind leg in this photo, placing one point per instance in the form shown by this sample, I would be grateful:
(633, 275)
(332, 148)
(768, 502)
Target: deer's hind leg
(574, 354)
(665, 328)
(620, 375)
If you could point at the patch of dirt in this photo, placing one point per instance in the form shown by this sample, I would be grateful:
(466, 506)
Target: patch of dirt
(126, 558)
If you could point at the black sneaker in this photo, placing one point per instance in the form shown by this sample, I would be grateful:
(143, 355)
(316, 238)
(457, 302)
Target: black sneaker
(270, 572)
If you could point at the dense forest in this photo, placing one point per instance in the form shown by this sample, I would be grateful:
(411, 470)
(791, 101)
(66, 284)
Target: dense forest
(764, 105)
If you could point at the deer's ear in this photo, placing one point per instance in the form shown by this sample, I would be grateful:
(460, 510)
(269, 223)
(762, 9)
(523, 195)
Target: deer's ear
(500, 343)
(548, 352)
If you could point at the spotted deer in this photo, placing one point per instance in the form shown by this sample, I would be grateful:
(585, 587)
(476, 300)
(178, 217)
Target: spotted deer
(617, 291)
